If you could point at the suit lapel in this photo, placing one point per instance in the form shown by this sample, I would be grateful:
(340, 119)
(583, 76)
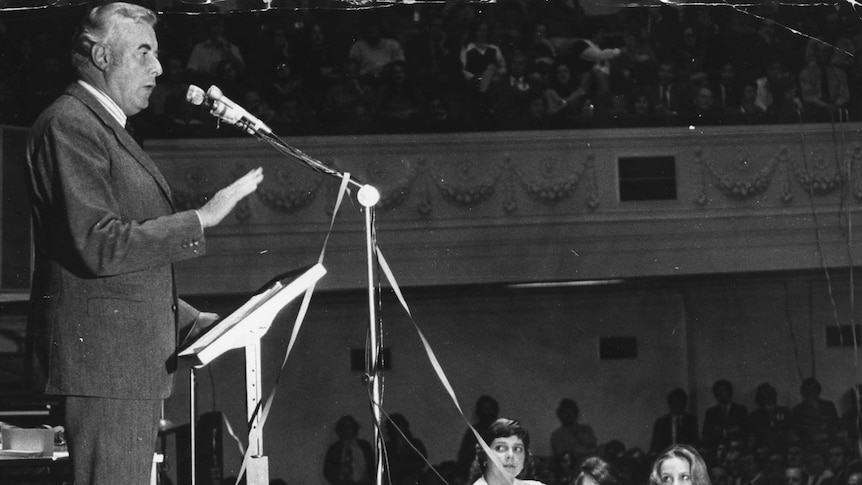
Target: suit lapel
(124, 137)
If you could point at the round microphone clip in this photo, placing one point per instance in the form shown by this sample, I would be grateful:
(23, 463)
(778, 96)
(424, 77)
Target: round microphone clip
(368, 196)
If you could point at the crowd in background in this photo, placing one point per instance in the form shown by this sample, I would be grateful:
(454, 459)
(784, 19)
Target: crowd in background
(810, 443)
(460, 66)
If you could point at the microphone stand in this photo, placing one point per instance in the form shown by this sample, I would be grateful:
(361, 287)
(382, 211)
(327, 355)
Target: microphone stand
(368, 196)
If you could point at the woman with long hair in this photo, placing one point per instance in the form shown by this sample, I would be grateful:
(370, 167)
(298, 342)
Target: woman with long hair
(679, 465)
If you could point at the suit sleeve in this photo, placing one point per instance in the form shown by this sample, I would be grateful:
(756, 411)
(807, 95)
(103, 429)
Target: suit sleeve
(105, 220)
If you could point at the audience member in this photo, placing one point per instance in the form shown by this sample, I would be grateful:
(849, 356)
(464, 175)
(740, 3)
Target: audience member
(690, 57)
(509, 441)
(768, 85)
(769, 422)
(432, 56)
(487, 410)
(837, 461)
(748, 102)
(832, 33)
(573, 436)
(718, 475)
(207, 54)
(667, 95)
(347, 93)
(539, 49)
(535, 114)
(823, 85)
(350, 460)
(679, 465)
(813, 415)
(564, 95)
(373, 51)
(795, 456)
(815, 466)
(677, 427)
(405, 454)
(726, 419)
(565, 469)
(511, 97)
(727, 89)
(637, 59)
(703, 103)
(400, 100)
(795, 475)
(482, 62)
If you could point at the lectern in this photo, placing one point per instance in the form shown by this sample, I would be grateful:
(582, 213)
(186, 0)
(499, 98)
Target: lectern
(244, 329)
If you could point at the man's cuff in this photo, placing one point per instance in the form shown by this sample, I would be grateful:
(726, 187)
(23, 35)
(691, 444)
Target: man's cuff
(200, 221)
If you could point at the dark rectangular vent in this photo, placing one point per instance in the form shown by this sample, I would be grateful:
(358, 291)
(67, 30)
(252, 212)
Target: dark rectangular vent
(647, 178)
(357, 359)
(843, 335)
(613, 348)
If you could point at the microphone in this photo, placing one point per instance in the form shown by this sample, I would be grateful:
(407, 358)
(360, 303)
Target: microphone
(225, 109)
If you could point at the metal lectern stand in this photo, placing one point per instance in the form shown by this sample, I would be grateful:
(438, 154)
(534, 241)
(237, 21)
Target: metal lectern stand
(243, 329)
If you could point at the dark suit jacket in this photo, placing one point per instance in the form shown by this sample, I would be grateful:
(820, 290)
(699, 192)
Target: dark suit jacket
(662, 435)
(680, 98)
(104, 310)
(718, 426)
(332, 462)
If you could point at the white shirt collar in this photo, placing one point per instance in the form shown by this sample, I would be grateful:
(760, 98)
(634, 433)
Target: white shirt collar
(106, 101)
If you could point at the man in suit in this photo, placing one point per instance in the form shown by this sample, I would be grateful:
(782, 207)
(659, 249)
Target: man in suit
(726, 419)
(350, 460)
(678, 426)
(104, 311)
(668, 96)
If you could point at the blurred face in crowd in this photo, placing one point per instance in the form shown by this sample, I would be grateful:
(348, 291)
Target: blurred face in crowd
(719, 476)
(641, 107)
(836, 457)
(704, 99)
(133, 66)
(564, 75)
(793, 476)
(665, 73)
(815, 464)
(728, 73)
(855, 479)
(675, 471)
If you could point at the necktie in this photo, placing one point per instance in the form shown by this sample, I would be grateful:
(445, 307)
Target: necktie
(347, 464)
(674, 426)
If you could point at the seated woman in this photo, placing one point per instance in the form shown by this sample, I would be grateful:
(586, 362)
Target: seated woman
(511, 461)
(565, 95)
(679, 465)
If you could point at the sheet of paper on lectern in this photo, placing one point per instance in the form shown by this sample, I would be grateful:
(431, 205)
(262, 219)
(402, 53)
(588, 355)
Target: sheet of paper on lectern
(253, 319)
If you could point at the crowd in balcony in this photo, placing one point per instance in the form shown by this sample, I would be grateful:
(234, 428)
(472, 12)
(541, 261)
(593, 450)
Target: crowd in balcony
(461, 66)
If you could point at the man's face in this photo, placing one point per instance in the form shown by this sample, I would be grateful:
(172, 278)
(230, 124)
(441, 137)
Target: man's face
(665, 73)
(133, 67)
(793, 476)
(836, 457)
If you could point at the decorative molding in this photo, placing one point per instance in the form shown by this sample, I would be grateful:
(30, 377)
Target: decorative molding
(455, 211)
(821, 173)
(291, 191)
(465, 183)
(740, 178)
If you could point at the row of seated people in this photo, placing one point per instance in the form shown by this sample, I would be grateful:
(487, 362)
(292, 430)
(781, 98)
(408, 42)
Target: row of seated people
(732, 458)
(512, 65)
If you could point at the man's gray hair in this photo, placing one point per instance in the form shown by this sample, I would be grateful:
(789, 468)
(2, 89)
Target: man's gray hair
(100, 24)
